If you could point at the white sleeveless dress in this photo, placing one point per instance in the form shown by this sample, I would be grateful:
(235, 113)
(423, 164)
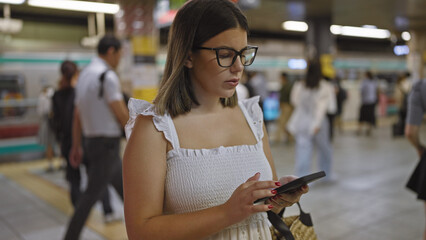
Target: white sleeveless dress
(202, 178)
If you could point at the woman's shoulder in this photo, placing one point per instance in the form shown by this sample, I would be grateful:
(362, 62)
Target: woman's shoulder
(141, 108)
(250, 103)
(252, 106)
(138, 106)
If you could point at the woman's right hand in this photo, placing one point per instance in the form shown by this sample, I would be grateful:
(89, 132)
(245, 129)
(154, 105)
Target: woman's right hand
(240, 205)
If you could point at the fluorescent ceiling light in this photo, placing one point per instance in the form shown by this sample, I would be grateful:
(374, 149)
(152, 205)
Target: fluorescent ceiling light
(12, 1)
(295, 26)
(82, 6)
(406, 36)
(359, 32)
(369, 26)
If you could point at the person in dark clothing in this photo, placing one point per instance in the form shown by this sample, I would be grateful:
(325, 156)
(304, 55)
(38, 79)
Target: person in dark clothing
(63, 108)
(341, 96)
(369, 98)
(416, 109)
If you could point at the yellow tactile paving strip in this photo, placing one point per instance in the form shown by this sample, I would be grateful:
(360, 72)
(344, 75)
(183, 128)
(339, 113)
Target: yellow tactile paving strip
(57, 196)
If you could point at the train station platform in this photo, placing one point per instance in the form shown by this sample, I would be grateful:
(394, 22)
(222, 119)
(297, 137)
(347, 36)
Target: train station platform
(367, 200)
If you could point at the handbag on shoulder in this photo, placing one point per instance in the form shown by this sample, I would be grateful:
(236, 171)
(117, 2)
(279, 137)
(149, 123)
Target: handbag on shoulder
(417, 181)
(298, 227)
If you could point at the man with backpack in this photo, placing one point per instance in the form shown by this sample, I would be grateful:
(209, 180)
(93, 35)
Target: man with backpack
(100, 115)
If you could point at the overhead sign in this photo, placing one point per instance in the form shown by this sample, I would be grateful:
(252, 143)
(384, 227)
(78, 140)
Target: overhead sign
(11, 26)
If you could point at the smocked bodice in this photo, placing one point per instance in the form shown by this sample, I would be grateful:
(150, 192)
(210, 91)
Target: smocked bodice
(201, 178)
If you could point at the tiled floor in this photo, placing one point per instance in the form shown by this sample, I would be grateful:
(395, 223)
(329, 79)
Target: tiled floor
(368, 200)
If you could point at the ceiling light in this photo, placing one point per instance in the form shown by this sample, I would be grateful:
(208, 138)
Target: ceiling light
(406, 36)
(359, 32)
(369, 26)
(297, 63)
(401, 50)
(82, 6)
(295, 26)
(12, 1)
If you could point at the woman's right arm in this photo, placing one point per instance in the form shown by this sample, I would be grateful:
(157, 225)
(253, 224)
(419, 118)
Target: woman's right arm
(144, 173)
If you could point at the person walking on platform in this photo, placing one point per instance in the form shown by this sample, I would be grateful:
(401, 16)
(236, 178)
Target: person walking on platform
(309, 125)
(46, 136)
(198, 158)
(99, 114)
(341, 96)
(401, 92)
(369, 99)
(416, 110)
(286, 109)
(63, 109)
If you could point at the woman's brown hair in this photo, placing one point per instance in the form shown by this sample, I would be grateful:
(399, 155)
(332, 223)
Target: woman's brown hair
(195, 23)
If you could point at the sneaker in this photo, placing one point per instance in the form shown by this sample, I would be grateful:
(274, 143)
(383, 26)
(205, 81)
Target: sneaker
(112, 217)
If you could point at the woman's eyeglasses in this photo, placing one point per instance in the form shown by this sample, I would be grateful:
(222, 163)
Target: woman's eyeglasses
(226, 56)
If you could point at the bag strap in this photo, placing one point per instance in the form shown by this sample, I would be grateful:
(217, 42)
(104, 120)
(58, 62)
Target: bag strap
(102, 80)
(278, 223)
(304, 217)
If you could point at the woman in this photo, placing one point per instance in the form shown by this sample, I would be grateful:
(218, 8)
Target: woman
(416, 110)
(63, 106)
(308, 123)
(369, 98)
(196, 159)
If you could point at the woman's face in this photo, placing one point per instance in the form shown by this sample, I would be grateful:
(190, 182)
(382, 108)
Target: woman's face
(208, 78)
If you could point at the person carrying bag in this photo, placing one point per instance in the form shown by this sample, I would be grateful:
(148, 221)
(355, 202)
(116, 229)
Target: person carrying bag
(416, 109)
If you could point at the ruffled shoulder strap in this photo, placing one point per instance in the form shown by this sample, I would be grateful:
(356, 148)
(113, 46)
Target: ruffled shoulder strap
(163, 123)
(254, 115)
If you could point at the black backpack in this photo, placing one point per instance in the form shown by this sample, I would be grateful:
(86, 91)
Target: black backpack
(101, 93)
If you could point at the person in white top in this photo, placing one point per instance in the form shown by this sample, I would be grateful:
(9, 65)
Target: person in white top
(312, 99)
(46, 136)
(99, 116)
(197, 159)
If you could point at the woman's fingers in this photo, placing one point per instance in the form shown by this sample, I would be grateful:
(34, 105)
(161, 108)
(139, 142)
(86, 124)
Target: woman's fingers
(261, 208)
(287, 179)
(257, 194)
(255, 177)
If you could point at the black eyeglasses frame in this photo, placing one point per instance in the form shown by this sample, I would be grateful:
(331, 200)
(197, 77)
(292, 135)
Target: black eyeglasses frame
(238, 53)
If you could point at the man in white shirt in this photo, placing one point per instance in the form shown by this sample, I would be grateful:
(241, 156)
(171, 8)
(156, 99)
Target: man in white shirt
(100, 115)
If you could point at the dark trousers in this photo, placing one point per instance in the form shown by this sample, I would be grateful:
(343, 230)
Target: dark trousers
(105, 168)
(73, 177)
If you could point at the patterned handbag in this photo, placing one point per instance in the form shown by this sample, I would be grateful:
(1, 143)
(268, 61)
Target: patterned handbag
(299, 227)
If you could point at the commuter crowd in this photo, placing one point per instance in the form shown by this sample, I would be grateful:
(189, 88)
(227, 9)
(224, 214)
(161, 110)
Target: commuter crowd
(198, 156)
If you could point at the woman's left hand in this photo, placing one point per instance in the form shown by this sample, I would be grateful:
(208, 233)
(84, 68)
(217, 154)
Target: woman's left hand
(281, 201)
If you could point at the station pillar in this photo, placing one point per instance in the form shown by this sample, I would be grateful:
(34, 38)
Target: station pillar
(320, 43)
(135, 24)
(416, 59)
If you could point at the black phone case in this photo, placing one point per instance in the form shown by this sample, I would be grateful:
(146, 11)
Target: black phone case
(296, 184)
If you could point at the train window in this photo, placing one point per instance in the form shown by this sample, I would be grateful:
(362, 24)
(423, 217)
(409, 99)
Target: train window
(12, 94)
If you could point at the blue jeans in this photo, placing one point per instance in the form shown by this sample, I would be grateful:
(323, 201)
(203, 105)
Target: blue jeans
(304, 149)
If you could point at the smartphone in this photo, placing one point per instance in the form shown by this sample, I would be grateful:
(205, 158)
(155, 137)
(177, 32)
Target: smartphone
(296, 184)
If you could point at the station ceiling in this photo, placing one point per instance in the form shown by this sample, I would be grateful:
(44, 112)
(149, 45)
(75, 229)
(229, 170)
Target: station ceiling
(394, 15)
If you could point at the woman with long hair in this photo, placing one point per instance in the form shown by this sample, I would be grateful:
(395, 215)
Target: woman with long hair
(197, 159)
